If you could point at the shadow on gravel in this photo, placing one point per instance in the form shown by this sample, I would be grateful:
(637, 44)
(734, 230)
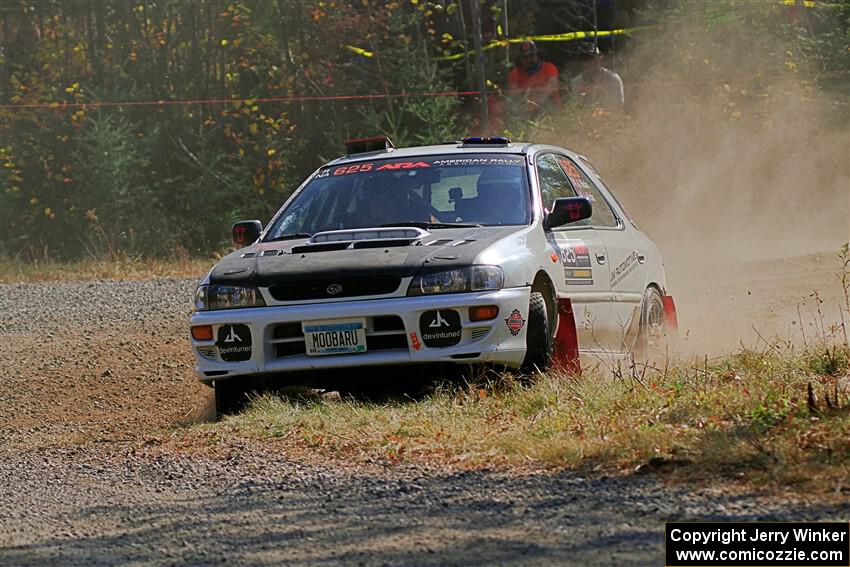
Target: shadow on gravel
(323, 517)
(388, 383)
(374, 384)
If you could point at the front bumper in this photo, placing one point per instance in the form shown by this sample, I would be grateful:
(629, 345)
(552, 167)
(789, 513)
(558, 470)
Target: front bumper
(393, 334)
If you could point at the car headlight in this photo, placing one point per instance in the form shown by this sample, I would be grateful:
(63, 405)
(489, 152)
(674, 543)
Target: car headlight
(211, 297)
(458, 280)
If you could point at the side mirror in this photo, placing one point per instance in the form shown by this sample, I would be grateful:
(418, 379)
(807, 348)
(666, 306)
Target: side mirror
(246, 232)
(567, 210)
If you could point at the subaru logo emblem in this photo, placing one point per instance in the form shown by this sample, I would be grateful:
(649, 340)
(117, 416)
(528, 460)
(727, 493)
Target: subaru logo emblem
(334, 289)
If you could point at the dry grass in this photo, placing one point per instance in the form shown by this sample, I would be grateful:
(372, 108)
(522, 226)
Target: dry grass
(115, 267)
(747, 417)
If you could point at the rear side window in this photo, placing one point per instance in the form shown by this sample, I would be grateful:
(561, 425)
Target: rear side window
(607, 188)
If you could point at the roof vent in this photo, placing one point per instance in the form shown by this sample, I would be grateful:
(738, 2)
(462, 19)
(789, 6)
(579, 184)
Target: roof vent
(484, 141)
(368, 145)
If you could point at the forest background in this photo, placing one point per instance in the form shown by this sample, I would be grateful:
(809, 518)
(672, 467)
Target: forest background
(146, 128)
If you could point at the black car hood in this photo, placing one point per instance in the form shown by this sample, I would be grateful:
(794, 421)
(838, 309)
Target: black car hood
(268, 263)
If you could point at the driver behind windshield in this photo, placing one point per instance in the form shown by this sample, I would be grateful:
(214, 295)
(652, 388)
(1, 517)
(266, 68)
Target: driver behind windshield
(381, 202)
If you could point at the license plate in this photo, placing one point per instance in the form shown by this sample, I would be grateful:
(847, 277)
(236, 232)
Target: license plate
(340, 336)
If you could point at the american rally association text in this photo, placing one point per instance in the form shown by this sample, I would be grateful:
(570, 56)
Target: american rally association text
(757, 534)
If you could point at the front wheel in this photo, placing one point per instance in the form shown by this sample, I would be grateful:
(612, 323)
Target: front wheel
(231, 395)
(538, 338)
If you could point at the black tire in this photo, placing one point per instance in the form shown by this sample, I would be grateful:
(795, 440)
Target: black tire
(231, 395)
(538, 338)
(653, 323)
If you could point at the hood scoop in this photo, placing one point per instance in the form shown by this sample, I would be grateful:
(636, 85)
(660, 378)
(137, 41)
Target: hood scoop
(357, 234)
(326, 247)
(353, 239)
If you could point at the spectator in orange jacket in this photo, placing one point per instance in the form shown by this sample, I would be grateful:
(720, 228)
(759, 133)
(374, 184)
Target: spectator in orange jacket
(533, 80)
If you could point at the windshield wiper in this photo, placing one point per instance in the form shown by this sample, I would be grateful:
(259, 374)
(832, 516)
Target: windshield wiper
(424, 224)
(289, 237)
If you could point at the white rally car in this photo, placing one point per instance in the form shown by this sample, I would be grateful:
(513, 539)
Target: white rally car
(463, 253)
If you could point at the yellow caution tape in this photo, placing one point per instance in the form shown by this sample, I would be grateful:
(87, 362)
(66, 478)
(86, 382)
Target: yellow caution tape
(577, 35)
(569, 36)
(359, 51)
(812, 4)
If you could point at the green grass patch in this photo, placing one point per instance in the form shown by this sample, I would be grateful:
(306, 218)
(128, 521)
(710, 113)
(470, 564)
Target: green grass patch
(748, 416)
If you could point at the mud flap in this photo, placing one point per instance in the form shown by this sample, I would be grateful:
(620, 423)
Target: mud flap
(566, 354)
(670, 318)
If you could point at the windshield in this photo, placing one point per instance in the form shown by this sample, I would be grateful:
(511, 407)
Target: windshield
(434, 191)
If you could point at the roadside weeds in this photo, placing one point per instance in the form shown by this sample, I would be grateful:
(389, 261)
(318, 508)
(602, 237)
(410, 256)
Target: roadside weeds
(776, 416)
(749, 417)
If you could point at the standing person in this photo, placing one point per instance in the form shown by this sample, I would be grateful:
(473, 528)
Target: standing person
(596, 85)
(533, 81)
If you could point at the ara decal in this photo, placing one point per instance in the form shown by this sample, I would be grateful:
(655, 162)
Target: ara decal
(403, 165)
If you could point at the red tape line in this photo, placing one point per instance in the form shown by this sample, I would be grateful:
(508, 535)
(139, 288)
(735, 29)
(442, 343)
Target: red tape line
(98, 104)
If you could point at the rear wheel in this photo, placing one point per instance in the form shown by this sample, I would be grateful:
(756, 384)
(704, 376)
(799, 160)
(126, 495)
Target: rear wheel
(231, 395)
(653, 329)
(538, 338)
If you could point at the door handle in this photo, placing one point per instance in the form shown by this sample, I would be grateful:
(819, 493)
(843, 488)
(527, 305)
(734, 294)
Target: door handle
(600, 257)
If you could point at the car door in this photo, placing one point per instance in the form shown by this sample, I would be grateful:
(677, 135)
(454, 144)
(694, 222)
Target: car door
(626, 256)
(585, 267)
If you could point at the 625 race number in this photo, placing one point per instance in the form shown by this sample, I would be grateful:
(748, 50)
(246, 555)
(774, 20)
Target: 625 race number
(356, 168)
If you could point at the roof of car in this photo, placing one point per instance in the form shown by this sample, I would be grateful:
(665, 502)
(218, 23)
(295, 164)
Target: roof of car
(450, 148)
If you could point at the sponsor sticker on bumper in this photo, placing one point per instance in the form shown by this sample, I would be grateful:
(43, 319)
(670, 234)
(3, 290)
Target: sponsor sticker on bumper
(234, 343)
(440, 328)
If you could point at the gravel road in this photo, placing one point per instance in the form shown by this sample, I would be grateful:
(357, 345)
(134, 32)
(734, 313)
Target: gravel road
(93, 372)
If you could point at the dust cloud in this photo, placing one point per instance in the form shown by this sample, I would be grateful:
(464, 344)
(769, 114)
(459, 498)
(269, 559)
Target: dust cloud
(738, 167)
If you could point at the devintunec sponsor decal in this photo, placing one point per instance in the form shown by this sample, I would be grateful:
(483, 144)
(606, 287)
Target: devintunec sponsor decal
(440, 328)
(234, 343)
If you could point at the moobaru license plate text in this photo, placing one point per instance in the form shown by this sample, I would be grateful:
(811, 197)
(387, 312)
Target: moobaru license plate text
(334, 337)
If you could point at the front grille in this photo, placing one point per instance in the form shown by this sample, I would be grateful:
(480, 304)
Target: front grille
(386, 342)
(384, 332)
(288, 340)
(345, 287)
(387, 323)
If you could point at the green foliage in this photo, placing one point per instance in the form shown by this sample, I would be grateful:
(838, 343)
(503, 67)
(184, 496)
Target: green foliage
(828, 360)
(121, 209)
(77, 181)
(404, 65)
